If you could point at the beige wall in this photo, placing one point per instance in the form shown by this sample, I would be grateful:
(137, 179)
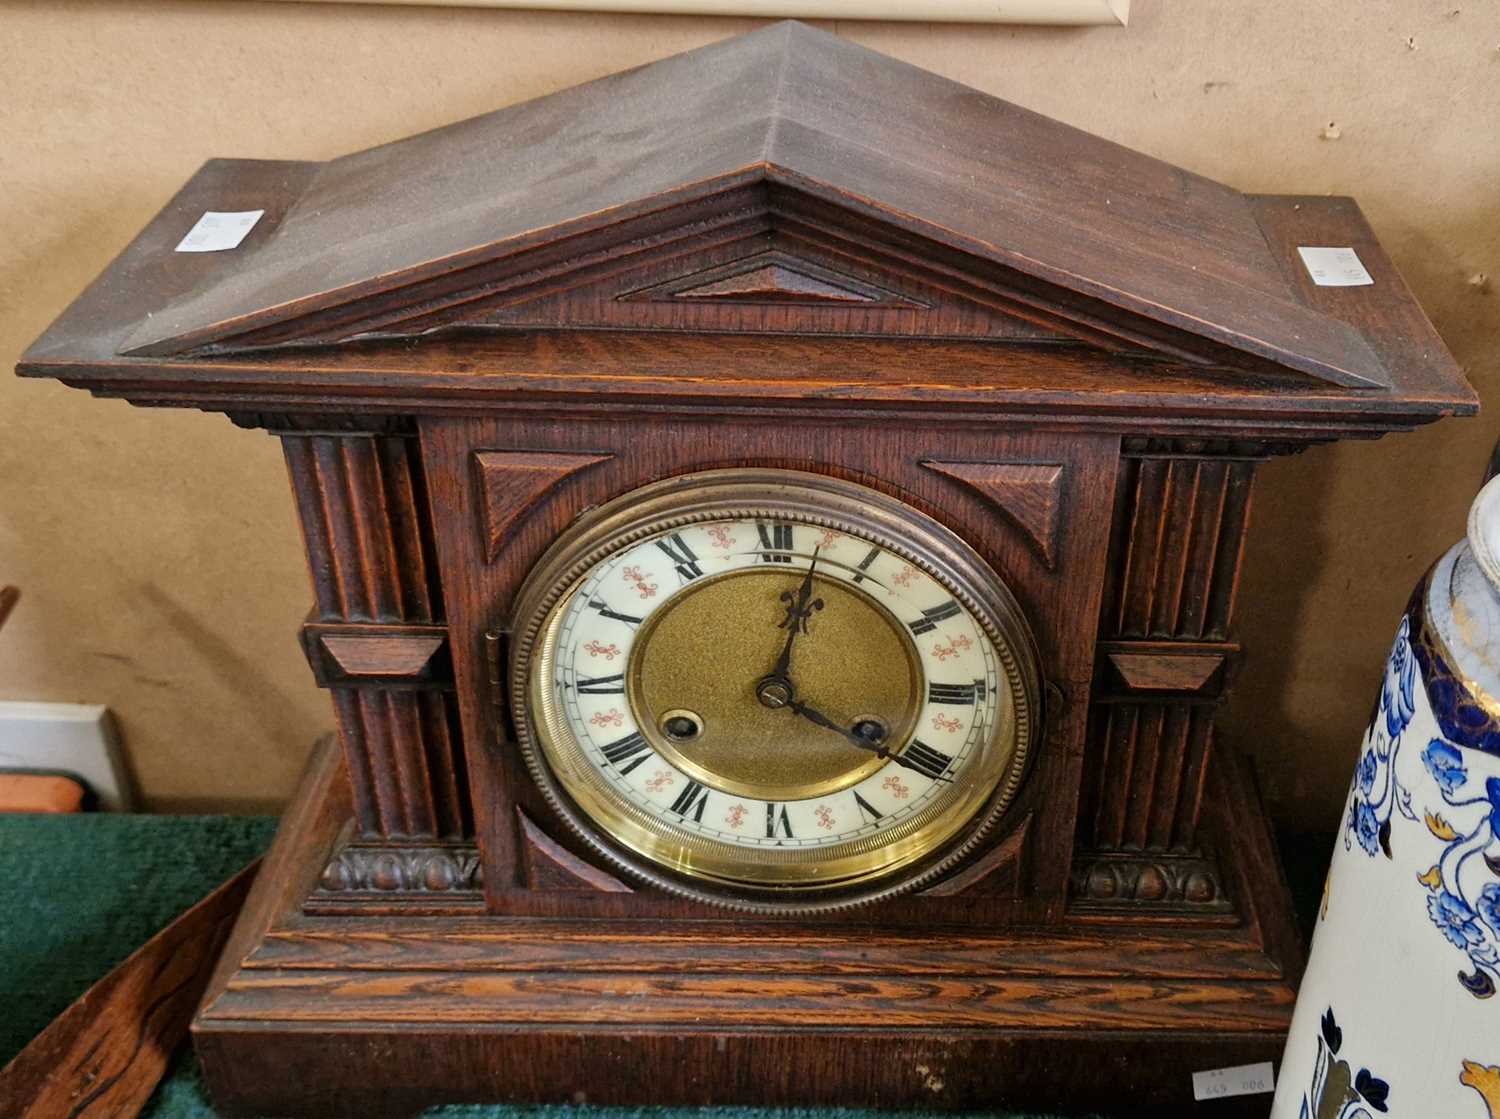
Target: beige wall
(158, 552)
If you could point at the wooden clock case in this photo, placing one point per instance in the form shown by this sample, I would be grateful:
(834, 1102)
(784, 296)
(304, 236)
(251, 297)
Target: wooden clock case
(780, 250)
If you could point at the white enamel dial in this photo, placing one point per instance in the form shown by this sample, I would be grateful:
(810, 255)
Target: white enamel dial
(958, 686)
(772, 690)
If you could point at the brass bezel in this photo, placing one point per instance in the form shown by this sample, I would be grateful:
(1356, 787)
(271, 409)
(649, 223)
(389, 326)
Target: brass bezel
(901, 864)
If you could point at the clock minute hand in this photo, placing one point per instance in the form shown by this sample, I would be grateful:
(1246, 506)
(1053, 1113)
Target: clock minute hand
(797, 707)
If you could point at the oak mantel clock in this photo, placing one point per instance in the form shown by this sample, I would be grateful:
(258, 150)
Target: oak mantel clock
(774, 518)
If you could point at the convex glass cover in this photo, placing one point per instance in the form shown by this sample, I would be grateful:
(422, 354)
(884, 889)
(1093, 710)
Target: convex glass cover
(772, 686)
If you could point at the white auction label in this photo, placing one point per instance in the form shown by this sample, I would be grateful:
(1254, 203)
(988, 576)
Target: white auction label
(1245, 1080)
(1333, 267)
(216, 231)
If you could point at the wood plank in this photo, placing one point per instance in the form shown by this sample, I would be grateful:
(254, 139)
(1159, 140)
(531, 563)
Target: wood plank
(967, 1070)
(391, 655)
(634, 372)
(397, 1013)
(1070, 230)
(538, 1000)
(103, 1056)
(808, 111)
(309, 827)
(520, 945)
(1386, 312)
(148, 273)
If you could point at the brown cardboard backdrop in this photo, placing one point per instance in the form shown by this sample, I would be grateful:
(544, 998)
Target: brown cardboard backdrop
(157, 550)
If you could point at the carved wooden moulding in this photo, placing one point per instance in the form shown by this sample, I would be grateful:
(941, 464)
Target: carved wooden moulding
(775, 596)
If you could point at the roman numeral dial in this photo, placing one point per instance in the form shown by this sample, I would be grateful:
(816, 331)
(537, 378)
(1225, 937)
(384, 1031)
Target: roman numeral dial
(626, 753)
(933, 615)
(934, 763)
(691, 802)
(776, 541)
(684, 559)
(602, 685)
(777, 821)
(962, 695)
(776, 695)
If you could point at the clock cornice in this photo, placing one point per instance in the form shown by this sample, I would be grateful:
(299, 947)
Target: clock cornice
(813, 165)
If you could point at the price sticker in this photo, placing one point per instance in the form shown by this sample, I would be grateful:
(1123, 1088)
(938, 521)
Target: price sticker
(1244, 1080)
(1333, 267)
(216, 231)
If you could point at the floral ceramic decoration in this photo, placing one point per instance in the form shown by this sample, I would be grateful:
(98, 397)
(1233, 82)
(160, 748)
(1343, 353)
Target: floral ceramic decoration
(1484, 1079)
(1431, 783)
(1398, 1013)
(1336, 1090)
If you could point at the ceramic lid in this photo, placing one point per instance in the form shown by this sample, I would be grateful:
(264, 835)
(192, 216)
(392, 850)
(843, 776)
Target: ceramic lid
(1484, 531)
(1463, 600)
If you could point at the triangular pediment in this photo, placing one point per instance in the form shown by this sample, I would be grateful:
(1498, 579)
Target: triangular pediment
(772, 278)
(773, 283)
(731, 266)
(785, 180)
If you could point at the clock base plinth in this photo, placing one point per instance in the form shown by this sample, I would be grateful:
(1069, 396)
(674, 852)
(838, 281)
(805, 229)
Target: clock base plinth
(385, 1014)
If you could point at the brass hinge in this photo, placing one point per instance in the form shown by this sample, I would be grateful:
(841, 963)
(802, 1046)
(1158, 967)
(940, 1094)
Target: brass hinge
(495, 648)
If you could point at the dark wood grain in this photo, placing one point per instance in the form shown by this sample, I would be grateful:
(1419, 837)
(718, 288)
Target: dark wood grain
(1029, 495)
(676, 1002)
(404, 749)
(350, 653)
(514, 481)
(715, 947)
(1117, 1074)
(777, 251)
(732, 377)
(362, 503)
(384, 1014)
(548, 865)
(1062, 601)
(1386, 312)
(1180, 522)
(1144, 669)
(314, 820)
(806, 111)
(103, 1056)
(1000, 871)
(1021, 218)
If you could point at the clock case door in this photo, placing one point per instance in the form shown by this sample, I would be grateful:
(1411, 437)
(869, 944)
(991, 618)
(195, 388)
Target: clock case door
(510, 504)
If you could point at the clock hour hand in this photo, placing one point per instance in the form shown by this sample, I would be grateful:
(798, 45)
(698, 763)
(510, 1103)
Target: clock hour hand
(799, 607)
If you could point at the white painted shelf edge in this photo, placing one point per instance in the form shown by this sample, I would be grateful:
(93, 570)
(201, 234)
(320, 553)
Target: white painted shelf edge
(74, 738)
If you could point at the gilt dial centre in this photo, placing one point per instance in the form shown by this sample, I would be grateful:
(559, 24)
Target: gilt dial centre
(707, 649)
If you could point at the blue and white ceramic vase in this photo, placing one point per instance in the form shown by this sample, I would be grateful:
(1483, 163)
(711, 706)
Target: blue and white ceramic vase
(1398, 1013)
